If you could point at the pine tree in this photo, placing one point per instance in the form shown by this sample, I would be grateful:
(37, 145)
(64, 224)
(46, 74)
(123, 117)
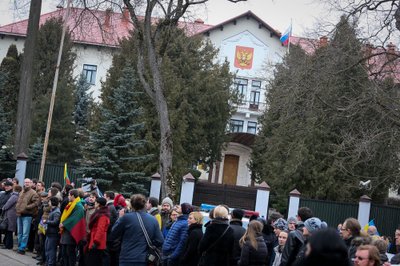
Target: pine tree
(36, 151)
(6, 165)
(328, 126)
(116, 151)
(62, 147)
(198, 94)
(10, 66)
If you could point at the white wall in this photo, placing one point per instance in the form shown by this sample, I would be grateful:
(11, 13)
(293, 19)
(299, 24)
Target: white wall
(92, 55)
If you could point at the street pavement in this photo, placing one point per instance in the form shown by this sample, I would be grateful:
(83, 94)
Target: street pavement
(12, 258)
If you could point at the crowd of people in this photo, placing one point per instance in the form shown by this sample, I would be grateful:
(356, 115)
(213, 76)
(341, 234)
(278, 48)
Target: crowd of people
(67, 226)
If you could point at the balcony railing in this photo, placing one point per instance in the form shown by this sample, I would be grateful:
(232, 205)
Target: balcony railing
(245, 106)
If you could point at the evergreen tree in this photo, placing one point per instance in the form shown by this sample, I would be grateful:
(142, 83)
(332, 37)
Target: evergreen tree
(83, 111)
(328, 126)
(83, 102)
(62, 147)
(198, 96)
(36, 151)
(10, 66)
(6, 165)
(116, 151)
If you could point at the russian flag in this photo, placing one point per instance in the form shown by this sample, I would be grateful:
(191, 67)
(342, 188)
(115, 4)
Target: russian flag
(285, 38)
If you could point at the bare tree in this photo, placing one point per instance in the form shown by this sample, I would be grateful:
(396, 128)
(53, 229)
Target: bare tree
(150, 49)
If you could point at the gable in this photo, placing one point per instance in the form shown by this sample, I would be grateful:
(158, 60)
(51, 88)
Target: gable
(245, 37)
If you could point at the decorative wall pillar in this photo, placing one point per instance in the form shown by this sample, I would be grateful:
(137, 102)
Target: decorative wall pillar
(187, 189)
(262, 200)
(155, 186)
(20, 169)
(364, 208)
(294, 203)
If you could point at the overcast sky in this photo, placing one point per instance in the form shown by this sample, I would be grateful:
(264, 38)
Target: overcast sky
(276, 13)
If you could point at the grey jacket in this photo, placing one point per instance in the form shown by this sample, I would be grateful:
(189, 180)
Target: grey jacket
(10, 211)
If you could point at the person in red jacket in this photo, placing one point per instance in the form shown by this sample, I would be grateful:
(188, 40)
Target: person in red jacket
(97, 239)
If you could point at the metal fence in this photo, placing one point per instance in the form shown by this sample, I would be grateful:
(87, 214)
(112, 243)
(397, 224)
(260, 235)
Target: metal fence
(52, 173)
(233, 196)
(331, 212)
(386, 218)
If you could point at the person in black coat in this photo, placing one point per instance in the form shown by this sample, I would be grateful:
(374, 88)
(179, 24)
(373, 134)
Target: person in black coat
(190, 255)
(238, 232)
(217, 243)
(254, 250)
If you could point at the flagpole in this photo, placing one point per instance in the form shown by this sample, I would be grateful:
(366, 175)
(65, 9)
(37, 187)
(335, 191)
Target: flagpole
(290, 34)
(53, 94)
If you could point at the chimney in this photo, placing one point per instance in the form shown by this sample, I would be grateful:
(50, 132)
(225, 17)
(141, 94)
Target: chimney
(391, 51)
(323, 41)
(199, 21)
(107, 20)
(126, 17)
(368, 49)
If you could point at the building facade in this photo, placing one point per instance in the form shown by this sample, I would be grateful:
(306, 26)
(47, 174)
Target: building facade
(250, 45)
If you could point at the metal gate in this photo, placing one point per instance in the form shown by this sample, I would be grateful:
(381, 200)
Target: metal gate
(233, 196)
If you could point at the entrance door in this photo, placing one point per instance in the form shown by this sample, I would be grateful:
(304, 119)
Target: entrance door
(231, 164)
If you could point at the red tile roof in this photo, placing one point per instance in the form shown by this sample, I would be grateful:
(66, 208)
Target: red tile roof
(381, 62)
(101, 28)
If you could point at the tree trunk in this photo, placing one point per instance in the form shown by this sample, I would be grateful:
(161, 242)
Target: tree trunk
(24, 119)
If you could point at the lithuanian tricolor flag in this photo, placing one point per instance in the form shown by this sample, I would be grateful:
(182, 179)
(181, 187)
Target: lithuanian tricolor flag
(73, 220)
(66, 177)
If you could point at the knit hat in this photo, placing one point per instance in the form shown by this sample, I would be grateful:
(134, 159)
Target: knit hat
(292, 220)
(281, 224)
(101, 201)
(186, 208)
(314, 224)
(168, 201)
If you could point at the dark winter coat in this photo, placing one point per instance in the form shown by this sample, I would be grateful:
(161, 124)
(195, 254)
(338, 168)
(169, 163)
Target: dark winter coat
(133, 243)
(351, 247)
(238, 232)
(217, 253)
(190, 255)
(293, 245)
(10, 211)
(4, 196)
(176, 238)
(53, 222)
(252, 257)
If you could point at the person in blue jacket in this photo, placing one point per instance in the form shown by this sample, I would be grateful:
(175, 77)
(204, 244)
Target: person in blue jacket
(133, 242)
(176, 239)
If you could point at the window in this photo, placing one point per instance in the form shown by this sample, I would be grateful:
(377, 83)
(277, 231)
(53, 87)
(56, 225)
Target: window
(236, 125)
(89, 72)
(256, 84)
(254, 99)
(241, 86)
(251, 127)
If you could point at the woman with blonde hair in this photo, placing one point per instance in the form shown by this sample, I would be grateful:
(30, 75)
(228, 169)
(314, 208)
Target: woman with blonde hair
(216, 246)
(190, 256)
(254, 249)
